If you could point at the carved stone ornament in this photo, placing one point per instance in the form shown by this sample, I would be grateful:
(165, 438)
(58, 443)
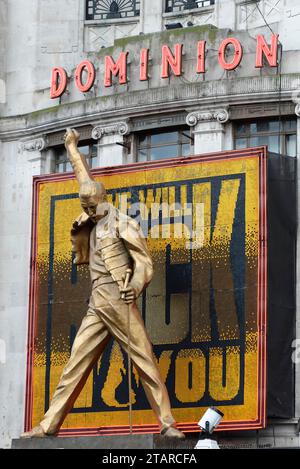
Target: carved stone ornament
(220, 115)
(121, 128)
(297, 110)
(38, 144)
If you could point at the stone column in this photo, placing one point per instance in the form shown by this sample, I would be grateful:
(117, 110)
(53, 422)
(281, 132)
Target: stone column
(3, 50)
(152, 15)
(49, 161)
(297, 343)
(32, 149)
(19, 162)
(226, 14)
(108, 137)
(209, 129)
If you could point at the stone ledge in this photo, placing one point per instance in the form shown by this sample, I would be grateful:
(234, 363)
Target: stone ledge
(262, 439)
(107, 442)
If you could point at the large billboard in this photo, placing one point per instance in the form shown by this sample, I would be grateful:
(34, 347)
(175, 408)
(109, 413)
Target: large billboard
(205, 310)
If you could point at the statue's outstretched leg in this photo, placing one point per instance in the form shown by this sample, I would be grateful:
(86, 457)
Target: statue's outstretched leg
(88, 346)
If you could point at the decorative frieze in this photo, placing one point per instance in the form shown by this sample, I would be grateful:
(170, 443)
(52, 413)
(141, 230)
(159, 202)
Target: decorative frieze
(121, 128)
(268, 109)
(102, 35)
(158, 121)
(219, 115)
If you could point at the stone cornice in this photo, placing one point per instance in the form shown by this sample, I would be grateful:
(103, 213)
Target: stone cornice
(220, 115)
(214, 94)
(121, 128)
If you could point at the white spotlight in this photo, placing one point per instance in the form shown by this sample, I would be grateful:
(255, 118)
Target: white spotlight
(208, 423)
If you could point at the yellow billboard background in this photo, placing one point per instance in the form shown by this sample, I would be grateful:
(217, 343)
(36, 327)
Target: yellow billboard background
(201, 309)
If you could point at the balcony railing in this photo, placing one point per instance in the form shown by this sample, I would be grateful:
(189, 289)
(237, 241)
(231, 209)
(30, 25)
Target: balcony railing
(112, 9)
(181, 5)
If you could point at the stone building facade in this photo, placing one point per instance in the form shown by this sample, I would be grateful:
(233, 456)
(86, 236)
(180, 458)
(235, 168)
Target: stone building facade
(193, 113)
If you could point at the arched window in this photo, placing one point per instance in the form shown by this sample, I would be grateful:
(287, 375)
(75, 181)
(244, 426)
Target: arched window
(112, 9)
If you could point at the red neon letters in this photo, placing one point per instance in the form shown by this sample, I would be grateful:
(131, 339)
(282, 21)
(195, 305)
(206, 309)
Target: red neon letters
(270, 53)
(237, 55)
(58, 82)
(201, 57)
(144, 63)
(86, 64)
(115, 69)
(171, 62)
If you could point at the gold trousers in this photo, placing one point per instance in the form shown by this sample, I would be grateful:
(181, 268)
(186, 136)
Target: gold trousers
(107, 317)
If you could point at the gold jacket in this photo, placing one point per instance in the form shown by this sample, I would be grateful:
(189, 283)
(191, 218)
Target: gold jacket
(133, 240)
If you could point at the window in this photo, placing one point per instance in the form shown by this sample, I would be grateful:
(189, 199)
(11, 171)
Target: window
(280, 136)
(155, 145)
(180, 5)
(112, 9)
(62, 162)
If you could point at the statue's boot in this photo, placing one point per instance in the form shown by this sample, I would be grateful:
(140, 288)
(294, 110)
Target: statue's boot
(36, 432)
(172, 432)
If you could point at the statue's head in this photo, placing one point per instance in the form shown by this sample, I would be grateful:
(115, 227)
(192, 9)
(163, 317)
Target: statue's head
(93, 199)
(92, 194)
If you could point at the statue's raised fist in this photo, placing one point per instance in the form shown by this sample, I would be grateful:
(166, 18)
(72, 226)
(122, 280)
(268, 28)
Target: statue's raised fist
(71, 137)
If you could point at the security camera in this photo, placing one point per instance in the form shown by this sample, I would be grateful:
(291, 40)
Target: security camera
(210, 420)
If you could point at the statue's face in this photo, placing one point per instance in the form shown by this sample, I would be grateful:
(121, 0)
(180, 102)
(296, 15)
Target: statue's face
(94, 207)
(89, 205)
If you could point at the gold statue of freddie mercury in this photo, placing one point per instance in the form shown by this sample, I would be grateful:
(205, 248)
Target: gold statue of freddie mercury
(111, 243)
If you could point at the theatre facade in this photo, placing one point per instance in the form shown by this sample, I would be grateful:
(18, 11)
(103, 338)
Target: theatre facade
(189, 112)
